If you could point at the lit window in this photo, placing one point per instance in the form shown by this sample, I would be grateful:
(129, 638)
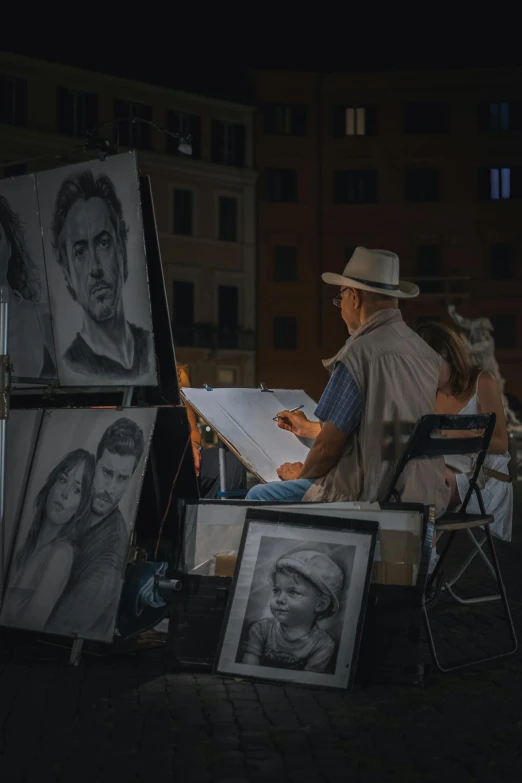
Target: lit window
(355, 121)
(227, 376)
(500, 183)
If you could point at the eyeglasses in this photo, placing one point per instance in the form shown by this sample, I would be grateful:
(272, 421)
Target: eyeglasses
(337, 300)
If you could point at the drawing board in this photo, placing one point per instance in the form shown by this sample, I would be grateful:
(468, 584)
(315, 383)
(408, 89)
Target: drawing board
(243, 418)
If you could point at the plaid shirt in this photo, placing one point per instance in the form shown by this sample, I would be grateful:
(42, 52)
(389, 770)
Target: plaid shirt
(341, 403)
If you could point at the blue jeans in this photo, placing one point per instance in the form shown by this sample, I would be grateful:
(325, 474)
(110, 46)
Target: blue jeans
(281, 491)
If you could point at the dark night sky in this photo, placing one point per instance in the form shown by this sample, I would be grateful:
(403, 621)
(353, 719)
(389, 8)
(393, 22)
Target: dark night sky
(213, 59)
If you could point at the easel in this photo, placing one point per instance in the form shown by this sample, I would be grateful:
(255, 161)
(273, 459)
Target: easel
(165, 396)
(223, 494)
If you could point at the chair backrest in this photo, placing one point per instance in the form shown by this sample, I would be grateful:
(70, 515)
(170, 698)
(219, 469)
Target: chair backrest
(426, 440)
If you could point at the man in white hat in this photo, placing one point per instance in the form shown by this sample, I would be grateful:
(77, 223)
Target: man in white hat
(384, 378)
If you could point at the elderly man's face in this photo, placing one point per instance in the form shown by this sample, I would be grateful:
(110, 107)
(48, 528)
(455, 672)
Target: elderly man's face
(94, 268)
(350, 310)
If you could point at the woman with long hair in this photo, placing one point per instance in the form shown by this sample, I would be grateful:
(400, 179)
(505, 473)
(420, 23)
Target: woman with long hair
(469, 390)
(43, 565)
(30, 332)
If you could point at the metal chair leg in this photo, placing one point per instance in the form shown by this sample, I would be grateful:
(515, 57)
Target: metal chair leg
(450, 582)
(498, 576)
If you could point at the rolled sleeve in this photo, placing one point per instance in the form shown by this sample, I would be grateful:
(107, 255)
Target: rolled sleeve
(341, 403)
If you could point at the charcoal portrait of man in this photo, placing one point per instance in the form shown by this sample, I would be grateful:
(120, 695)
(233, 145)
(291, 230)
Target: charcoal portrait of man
(90, 238)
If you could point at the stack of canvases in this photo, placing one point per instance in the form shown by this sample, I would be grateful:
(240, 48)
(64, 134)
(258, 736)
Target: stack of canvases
(72, 256)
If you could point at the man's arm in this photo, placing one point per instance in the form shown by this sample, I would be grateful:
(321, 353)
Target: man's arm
(340, 409)
(325, 453)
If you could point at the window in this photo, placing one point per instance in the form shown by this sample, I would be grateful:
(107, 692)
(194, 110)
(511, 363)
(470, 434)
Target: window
(426, 117)
(285, 264)
(355, 187)
(228, 218)
(422, 185)
(501, 261)
(187, 128)
(504, 331)
(355, 121)
(428, 261)
(133, 134)
(77, 112)
(16, 170)
(183, 312)
(500, 116)
(227, 376)
(13, 100)
(285, 120)
(285, 333)
(500, 184)
(182, 212)
(228, 316)
(281, 185)
(428, 265)
(228, 143)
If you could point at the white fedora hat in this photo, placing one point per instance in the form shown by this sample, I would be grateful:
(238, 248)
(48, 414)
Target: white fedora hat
(374, 270)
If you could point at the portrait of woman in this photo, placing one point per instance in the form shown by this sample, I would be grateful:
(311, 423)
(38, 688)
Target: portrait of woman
(43, 565)
(30, 332)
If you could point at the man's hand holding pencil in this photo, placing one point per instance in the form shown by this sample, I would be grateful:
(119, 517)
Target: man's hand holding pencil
(295, 421)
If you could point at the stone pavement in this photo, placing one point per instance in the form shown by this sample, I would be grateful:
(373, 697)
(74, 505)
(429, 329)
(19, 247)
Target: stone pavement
(130, 718)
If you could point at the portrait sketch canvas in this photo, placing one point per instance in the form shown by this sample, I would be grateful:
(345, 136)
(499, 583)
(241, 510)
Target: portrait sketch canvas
(97, 273)
(23, 278)
(22, 431)
(298, 599)
(68, 561)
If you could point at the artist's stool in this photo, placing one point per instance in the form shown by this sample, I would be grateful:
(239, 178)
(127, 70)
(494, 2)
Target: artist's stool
(428, 441)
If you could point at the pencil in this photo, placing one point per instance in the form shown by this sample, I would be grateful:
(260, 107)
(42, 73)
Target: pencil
(291, 411)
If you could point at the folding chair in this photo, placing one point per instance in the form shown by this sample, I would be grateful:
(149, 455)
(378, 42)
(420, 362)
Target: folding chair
(427, 441)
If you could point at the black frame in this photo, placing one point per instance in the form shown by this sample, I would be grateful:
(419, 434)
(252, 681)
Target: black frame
(292, 518)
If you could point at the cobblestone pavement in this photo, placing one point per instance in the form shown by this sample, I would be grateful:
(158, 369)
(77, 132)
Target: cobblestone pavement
(130, 718)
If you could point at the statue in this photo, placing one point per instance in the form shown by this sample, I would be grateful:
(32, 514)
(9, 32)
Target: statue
(478, 334)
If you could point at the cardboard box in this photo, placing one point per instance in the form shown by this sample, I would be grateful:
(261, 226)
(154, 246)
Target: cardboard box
(394, 574)
(225, 565)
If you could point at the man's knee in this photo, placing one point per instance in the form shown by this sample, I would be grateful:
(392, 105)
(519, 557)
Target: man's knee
(258, 492)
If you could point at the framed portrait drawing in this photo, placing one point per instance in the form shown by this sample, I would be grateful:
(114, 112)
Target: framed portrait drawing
(23, 277)
(69, 551)
(97, 273)
(298, 599)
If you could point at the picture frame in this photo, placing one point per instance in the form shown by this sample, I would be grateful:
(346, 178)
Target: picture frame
(298, 599)
(69, 550)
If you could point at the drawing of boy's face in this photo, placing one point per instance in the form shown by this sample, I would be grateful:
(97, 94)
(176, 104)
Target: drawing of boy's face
(65, 495)
(111, 479)
(295, 601)
(94, 268)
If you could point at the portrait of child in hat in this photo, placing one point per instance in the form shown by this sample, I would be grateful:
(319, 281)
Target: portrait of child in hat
(305, 589)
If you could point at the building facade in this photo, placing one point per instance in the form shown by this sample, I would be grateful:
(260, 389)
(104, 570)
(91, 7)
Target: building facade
(203, 185)
(427, 164)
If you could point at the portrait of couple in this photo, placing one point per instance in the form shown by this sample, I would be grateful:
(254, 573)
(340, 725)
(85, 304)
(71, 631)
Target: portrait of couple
(66, 573)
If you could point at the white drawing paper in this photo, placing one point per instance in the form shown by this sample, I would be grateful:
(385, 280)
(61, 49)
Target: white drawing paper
(96, 268)
(67, 567)
(22, 274)
(244, 418)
